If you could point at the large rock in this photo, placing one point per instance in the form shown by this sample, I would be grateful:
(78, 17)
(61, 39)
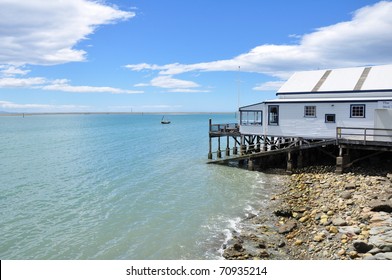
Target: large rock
(283, 213)
(381, 219)
(287, 227)
(381, 206)
(384, 256)
(352, 230)
(362, 247)
(383, 239)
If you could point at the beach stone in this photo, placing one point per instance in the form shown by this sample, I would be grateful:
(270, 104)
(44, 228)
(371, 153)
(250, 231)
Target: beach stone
(339, 222)
(324, 220)
(341, 252)
(350, 186)
(383, 256)
(346, 195)
(350, 230)
(330, 213)
(375, 250)
(349, 202)
(333, 229)
(238, 247)
(287, 227)
(369, 258)
(381, 219)
(263, 254)
(353, 254)
(304, 219)
(362, 247)
(283, 213)
(382, 240)
(319, 237)
(299, 209)
(381, 205)
(298, 242)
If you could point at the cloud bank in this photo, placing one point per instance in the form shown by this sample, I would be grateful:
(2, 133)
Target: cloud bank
(364, 40)
(46, 32)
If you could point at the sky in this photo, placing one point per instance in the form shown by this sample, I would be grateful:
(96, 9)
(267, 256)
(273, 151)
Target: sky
(177, 55)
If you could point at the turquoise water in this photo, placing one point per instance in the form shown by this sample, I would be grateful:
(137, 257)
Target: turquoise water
(118, 187)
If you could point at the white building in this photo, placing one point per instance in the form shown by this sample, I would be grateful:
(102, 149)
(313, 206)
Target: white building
(313, 104)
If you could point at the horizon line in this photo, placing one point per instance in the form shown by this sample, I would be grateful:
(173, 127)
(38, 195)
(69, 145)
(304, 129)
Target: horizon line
(111, 113)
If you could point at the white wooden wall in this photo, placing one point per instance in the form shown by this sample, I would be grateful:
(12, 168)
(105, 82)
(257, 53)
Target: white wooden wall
(292, 122)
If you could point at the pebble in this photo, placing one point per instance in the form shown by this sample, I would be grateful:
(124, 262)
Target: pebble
(339, 222)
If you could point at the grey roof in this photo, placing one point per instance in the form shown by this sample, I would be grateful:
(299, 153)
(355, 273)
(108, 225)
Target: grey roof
(336, 80)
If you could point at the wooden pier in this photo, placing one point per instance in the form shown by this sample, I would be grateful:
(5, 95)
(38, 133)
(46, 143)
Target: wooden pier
(350, 146)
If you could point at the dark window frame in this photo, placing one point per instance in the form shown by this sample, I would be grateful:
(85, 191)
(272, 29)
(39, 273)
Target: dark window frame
(251, 117)
(353, 113)
(275, 120)
(330, 115)
(310, 109)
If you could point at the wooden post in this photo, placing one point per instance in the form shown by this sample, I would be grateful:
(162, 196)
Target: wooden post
(227, 146)
(300, 160)
(258, 144)
(210, 141)
(289, 169)
(243, 146)
(251, 165)
(339, 162)
(219, 153)
(235, 150)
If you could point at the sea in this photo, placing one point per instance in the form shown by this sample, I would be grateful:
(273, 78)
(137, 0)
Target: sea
(119, 186)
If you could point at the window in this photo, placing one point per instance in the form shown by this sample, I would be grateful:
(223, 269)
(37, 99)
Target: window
(273, 115)
(251, 117)
(357, 111)
(310, 111)
(330, 118)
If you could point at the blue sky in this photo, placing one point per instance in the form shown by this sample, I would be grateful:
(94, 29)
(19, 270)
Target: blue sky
(177, 55)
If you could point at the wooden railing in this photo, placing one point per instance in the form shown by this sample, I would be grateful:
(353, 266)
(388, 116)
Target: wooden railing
(226, 128)
(364, 134)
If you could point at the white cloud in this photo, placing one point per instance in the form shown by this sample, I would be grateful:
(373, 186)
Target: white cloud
(364, 40)
(169, 82)
(48, 107)
(46, 32)
(21, 82)
(10, 70)
(269, 86)
(63, 85)
(59, 85)
(173, 85)
(186, 90)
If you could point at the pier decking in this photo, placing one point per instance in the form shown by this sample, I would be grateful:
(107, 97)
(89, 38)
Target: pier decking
(256, 150)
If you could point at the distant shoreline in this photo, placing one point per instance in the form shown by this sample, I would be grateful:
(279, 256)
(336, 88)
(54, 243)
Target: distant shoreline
(4, 114)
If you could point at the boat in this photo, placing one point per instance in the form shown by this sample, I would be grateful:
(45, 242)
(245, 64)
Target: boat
(163, 121)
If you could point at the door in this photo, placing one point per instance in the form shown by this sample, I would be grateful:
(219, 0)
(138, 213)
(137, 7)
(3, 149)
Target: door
(383, 120)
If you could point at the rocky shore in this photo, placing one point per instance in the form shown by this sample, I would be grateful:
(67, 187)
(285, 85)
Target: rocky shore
(318, 215)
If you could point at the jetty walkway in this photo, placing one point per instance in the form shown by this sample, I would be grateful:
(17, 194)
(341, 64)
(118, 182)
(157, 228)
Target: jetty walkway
(350, 145)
